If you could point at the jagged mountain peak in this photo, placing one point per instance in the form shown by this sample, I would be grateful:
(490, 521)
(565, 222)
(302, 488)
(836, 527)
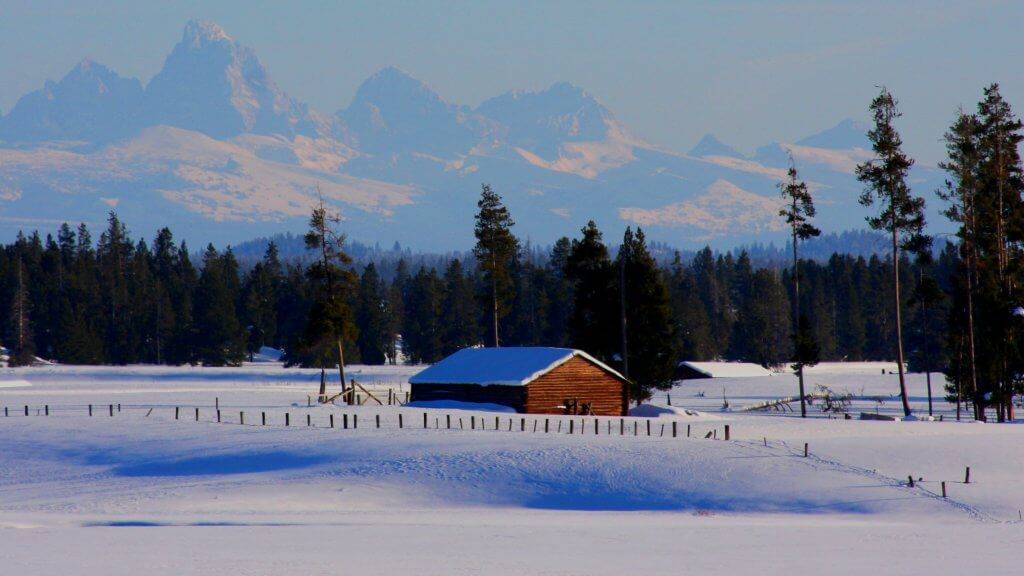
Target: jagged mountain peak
(710, 145)
(212, 84)
(89, 103)
(848, 133)
(199, 33)
(541, 121)
(392, 111)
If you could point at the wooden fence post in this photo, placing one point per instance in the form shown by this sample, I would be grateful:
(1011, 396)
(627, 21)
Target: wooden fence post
(648, 427)
(687, 430)
(726, 431)
(216, 402)
(287, 419)
(377, 418)
(674, 429)
(522, 424)
(662, 430)
(46, 410)
(571, 423)
(472, 422)
(218, 415)
(967, 475)
(111, 410)
(806, 450)
(197, 414)
(497, 422)
(448, 421)
(331, 418)
(943, 488)
(241, 418)
(545, 425)
(399, 420)
(309, 420)
(595, 426)
(424, 420)
(263, 418)
(622, 427)
(910, 481)
(355, 420)
(559, 426)
(175, 412)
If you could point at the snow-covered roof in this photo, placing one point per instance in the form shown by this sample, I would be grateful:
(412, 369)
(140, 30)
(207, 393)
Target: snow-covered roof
(511, 366)
(728, 369)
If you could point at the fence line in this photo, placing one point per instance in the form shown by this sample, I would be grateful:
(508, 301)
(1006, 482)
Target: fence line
(541, 423)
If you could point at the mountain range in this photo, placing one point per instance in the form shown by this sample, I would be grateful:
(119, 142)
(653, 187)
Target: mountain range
(212, 147)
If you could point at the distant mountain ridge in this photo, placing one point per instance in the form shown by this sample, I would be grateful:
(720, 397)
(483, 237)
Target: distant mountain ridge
(213, 147)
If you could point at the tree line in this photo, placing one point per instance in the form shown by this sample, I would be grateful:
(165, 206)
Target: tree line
(953, 308)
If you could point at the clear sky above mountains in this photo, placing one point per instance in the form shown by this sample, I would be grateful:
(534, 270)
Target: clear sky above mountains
(749, 72)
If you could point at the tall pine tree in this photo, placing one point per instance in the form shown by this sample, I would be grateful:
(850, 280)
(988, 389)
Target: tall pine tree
(901, 213)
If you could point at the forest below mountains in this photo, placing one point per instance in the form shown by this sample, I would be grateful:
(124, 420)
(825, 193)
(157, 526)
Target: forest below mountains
(120, 300)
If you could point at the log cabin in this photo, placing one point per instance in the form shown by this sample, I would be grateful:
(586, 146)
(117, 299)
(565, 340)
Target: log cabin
(531, 380)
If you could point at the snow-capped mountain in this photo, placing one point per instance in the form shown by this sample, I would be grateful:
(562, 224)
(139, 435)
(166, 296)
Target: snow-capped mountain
(213, 148)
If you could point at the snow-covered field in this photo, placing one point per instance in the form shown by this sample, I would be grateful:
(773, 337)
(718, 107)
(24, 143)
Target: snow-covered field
(143, 493)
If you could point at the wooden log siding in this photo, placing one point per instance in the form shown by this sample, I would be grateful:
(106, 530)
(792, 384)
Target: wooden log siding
(580, 379)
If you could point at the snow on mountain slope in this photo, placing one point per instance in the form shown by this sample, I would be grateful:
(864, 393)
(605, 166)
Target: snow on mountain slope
(221, 180)
(722, 208)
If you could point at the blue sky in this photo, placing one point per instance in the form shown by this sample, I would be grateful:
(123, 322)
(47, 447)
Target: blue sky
(750, 72)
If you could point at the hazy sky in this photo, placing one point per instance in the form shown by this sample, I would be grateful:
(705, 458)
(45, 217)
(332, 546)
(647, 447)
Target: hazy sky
(750, 72)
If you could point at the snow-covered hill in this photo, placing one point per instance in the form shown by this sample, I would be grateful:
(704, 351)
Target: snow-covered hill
(213, 139)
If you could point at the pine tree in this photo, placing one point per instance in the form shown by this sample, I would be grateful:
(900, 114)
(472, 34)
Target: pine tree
(559, 291)
(798, 211)
(496, 252)
(371, 317)
(648, 319)
(692, 326)
(459, 315)
(901, 213)
(22, 343)
(220, 337)
(1000, 245)
(926, 339)
(421, 341)
(960, 191)
(330, 317)
(594, 322)
(260, 300)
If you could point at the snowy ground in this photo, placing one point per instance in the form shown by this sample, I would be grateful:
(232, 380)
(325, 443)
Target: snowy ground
(140, 492)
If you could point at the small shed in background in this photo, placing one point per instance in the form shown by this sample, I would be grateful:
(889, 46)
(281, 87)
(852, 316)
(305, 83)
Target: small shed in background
(688, 370)
(529, 379)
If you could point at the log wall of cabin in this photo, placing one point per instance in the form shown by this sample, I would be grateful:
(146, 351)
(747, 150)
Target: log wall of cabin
(577, 379)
